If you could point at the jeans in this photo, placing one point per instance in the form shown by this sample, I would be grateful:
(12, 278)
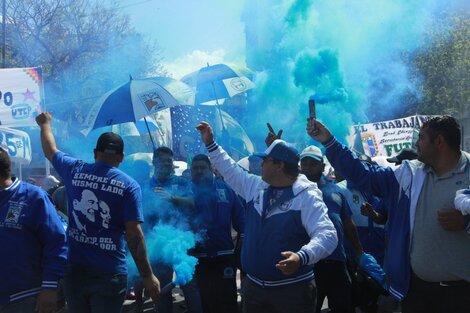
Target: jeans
(89, 291)
(26, 305)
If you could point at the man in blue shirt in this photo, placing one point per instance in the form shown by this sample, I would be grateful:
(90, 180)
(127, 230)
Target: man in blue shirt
(107, 210)
(331, 274)
(217, 208)
(167, 200)
(33, 248)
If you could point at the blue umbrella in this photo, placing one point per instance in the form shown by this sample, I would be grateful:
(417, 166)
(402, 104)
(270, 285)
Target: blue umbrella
(135, 100)
(220, 81)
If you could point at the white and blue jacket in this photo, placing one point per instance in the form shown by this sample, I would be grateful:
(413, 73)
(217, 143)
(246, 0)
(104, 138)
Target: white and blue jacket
(32, 242)
(300, 224)
(401, 189)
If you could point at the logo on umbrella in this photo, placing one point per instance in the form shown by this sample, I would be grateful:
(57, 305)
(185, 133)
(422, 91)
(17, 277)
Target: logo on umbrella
(152, 101)
(238, 84)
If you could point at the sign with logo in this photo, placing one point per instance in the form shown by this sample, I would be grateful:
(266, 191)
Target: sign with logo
(17, 144)
(20, 96)
(386, 138)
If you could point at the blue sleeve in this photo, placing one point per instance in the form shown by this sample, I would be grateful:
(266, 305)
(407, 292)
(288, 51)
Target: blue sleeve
(64, 164)
(133, 204)
(368, 178)
(51, 234)
(238, 213)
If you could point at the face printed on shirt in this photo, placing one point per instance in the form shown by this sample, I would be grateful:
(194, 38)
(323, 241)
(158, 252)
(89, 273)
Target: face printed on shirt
(87, 205)
(105, 214)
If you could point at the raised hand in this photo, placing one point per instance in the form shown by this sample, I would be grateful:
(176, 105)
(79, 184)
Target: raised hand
(44, 118)
(318, 131)
(272, 135)
(206, 132)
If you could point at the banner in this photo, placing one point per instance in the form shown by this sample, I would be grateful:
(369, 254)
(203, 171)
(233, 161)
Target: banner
(17, 144)
(20, 96)
(386, 138)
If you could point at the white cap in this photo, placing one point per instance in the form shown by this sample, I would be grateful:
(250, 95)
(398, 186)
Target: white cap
(312, 152)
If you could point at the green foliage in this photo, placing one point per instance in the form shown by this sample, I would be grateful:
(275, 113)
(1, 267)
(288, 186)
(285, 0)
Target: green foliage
(442, 66)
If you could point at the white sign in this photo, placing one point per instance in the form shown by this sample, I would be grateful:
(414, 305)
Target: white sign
(387, 138)
(17, 144)
(20, 96)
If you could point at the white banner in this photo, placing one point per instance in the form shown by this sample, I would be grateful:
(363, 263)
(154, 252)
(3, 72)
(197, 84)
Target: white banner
(17, 144)
(20, 96)
(386, 138)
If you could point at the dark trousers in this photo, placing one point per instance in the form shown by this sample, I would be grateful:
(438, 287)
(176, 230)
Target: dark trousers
(216, 279)
(333, 282)
(298, 298)
(88, 291)
(426, 297)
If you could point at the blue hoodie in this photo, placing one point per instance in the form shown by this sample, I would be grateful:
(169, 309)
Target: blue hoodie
(32, 241)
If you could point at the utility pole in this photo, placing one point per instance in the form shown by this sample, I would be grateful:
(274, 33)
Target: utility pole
(4, 32)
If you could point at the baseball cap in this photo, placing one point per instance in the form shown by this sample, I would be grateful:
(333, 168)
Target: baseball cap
(312, 152)
(110, 143)
(282, 151)
(405, 154)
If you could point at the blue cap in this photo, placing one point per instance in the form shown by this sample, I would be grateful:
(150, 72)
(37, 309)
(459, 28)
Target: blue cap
(282, 151)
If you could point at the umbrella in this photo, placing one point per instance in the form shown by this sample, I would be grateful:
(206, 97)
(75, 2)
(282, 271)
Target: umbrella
(220, 81)
(216, 82)
(135, 100)
(135, 134)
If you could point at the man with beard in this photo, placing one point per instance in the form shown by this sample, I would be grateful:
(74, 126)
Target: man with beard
(428, 250)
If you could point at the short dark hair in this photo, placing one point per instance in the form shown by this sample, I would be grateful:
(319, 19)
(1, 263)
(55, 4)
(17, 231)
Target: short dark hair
(162, 149)
(202, 157)
(446, 126)
(5, 164)
(290, 169)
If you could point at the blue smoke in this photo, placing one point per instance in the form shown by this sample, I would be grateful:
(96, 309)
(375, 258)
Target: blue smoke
(348, 55)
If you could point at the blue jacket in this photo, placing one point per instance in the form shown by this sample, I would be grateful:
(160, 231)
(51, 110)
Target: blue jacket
(401, 190)
(218, 208)
(300, 224)
(32, 242)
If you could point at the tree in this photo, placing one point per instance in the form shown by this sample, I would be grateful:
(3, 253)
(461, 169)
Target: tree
(84, 47)
(442, 66)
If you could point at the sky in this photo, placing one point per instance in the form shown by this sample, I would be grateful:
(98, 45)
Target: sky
(190, 33)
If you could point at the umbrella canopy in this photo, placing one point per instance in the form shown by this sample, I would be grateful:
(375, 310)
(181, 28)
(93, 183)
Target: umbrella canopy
(135, 100)
(217, 82)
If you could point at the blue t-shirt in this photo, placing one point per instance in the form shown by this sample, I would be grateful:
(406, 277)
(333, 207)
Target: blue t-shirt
(101, 200)
(337, 210)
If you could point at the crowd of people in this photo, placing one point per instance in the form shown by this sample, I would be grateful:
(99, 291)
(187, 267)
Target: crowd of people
(369, 239)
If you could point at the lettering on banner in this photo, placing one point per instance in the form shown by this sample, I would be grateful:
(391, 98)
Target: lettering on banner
(17, 146)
